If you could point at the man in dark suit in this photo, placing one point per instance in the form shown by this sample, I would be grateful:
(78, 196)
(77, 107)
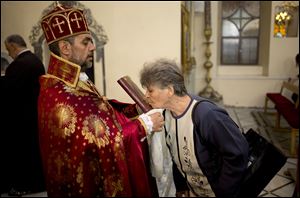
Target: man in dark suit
(23, 169)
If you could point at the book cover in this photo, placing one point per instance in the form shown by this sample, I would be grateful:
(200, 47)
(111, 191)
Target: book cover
(135, 93)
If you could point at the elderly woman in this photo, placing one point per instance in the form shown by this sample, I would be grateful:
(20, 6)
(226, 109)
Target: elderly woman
(210, 153)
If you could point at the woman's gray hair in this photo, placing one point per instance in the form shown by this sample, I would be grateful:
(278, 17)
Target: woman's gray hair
(163, 73)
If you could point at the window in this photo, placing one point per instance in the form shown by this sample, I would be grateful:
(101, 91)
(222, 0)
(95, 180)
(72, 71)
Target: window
(240, 32)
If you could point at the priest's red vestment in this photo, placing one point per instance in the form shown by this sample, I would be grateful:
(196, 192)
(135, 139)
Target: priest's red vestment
(89, 145)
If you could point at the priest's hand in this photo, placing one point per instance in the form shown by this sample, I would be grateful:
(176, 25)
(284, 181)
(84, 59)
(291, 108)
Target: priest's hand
(158, 121)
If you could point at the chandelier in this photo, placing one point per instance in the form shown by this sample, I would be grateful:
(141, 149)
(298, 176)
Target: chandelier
(283, 17)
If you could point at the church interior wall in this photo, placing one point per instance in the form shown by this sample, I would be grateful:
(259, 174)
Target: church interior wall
(143, 31)
(240, 85)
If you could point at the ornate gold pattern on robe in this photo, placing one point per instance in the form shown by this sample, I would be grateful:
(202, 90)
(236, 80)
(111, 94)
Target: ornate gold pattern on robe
(81, 140)
(62, 120)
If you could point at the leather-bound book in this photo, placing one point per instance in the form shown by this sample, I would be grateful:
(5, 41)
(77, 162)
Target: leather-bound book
(135, 93)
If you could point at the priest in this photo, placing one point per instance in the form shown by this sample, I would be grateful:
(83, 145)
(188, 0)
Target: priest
(90, 145)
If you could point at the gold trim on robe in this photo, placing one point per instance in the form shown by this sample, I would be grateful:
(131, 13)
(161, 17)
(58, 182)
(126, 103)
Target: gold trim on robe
(89, 147)
(64, 70)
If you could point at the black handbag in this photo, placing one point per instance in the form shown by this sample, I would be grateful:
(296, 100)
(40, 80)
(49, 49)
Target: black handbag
(265, 160)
